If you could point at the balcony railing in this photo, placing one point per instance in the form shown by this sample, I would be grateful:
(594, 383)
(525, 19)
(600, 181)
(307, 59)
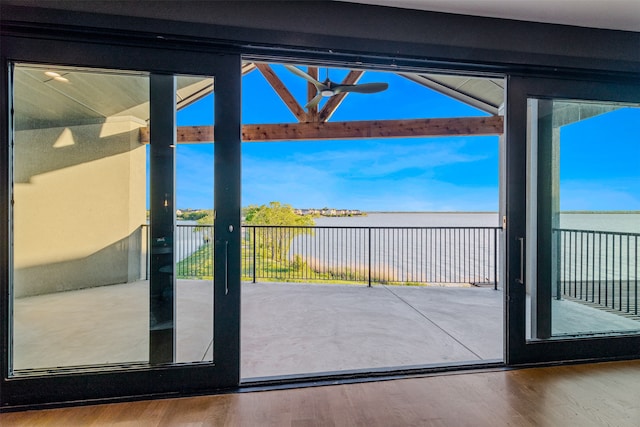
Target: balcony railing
(599, 267)
(407, 255)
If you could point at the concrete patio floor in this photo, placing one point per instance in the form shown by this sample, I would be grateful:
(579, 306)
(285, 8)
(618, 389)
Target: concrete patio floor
(302, 328)
(286, 328)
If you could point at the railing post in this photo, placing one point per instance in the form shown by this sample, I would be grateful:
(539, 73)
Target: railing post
(369, 251)
(254, 254)
(495, 259)
(558, 261)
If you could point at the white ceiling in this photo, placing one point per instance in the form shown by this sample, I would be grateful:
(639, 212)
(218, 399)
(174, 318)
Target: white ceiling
(611, 14)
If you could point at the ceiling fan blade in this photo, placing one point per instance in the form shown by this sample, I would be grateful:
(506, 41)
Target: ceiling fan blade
(298, 72)
(314, 102)
(362, 88)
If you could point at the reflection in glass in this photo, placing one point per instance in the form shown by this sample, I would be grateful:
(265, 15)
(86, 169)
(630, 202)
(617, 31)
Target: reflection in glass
(194, 225)
(80, 222)
(79, 231)
(588, 222)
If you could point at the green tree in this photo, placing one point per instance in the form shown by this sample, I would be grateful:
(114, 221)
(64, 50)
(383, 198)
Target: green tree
(196, 215)
(277, 241)
(205, 217)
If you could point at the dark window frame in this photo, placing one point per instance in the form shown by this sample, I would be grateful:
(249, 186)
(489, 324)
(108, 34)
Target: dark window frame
(144, 44)
(520, 350)
(138, 380)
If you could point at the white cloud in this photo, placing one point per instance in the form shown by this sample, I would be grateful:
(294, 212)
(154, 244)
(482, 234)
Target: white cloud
(384, 158)
(315, 185)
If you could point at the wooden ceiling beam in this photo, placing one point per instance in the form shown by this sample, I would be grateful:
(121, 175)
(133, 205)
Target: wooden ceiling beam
(374, 129)
(282, 91)
(415, 128)
(312, 112)
(334, 102)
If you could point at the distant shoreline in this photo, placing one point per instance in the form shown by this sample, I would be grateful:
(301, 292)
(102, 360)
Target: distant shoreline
(464, 212)
(600, 212)
(495, 212)
(431, 212)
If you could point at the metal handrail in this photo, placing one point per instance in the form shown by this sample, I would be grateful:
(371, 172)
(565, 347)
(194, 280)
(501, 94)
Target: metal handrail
(409, 255)
(599, 267)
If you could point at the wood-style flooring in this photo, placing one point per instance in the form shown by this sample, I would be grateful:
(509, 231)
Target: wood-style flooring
(604, 394)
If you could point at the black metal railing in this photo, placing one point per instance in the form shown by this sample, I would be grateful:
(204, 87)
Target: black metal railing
(193, 248)
(600, 267)
(371, 254)
(194, 251)
(408, 255)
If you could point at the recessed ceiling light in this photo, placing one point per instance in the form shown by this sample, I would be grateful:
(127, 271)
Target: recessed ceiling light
(51, 74)
(61, 79)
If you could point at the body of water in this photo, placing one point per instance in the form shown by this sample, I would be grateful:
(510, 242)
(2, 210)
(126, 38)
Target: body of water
(465, 255)
(619, 222)
(429, 254)
(422, 254)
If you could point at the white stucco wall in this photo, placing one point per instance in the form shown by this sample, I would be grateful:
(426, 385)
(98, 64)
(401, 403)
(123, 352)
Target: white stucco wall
(79, 203)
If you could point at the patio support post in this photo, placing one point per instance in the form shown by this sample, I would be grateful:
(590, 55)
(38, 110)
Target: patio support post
(162, 219)
(547, 210)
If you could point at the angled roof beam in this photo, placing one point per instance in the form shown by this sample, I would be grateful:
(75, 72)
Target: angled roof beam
(199, 90)
(334, 102)
(453, 93)
(312, 112)
(282, 91)
(195, 92)
(248, 67)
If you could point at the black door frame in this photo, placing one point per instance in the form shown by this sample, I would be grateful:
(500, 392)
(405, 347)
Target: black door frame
(519, 350)
(130, 43)
(154, 379)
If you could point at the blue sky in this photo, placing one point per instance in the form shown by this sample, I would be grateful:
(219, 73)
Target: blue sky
(404, 174)
(600, 162)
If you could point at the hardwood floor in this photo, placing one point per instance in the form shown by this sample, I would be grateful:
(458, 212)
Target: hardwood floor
(605, 394)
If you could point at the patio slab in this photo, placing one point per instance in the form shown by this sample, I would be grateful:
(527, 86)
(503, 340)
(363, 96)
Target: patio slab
(286, 328)
(302, 328)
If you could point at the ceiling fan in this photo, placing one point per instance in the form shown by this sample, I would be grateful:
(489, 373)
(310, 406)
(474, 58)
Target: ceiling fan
(329, 88)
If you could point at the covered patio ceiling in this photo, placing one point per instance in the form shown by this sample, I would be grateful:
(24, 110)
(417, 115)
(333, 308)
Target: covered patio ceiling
(75, 95)
(66, 96)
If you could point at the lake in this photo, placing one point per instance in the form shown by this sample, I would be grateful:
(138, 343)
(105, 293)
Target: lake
(621, 222)
(463, 255)
(430, 254)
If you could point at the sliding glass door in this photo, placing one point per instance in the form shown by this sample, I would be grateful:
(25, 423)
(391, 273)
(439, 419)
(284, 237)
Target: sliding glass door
(95, 304)
(573, 230)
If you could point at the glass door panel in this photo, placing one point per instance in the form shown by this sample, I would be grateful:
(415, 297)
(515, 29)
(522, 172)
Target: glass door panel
(360, 211)
(80, 297)
(101, 277)
(588, 218)
(98, 304)
(194, 220)
(573, 220)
